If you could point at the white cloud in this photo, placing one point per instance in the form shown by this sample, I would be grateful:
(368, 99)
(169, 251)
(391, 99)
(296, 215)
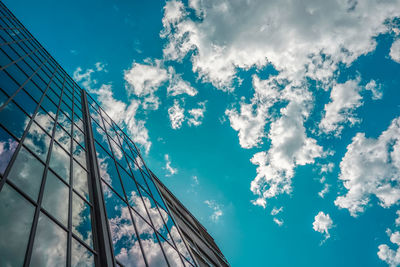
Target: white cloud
(278, 222)
(197, 114)
(217, 210)
(328, 167)
(395, 51)
(345, 98)
(176, 115)
(371, 167)
(177, 86)
(275, 211)
(324, 191)
(143, 80)
(397, 221)
(388, 255)
(376, 90)
(322, 223)
(168, 167)
(241, 34)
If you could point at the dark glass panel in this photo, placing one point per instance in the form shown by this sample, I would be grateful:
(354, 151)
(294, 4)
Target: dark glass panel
(53, 94)
(108, 170)
(126, 245)
(50, 245)
(26, 102)
(14, 226)
(7, 84)
(14, 119)
(80, 180)
(62, 138)
(17, 74)
(33, 90)
(44, 120)
(81, 222)
(59, 162)
(79, 154)
(80, 256)
(3, 98)
(150, 243)
(55, 198)
(66, 109)
(37, 141)
(26, 173)
(50, 107)
(7, 147)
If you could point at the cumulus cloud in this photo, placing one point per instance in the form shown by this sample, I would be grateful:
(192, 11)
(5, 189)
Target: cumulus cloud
(322, 223)
(168, 167)
(176, 115)
(397, 221)
(395, 51)
(196, 115)
(371, 167)
(143, 80)
(217, 210)
(375, 89)
(177, 86)
(388, 255)
(322, 34)
(324, 191)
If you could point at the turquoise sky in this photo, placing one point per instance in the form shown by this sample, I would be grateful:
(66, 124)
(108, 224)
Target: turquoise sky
(248, 110)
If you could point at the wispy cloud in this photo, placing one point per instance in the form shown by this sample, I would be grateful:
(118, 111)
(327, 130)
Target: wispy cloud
(171, 171)
(217, 210)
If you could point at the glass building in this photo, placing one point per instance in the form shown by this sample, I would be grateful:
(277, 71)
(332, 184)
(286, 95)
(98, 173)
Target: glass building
(74, 190)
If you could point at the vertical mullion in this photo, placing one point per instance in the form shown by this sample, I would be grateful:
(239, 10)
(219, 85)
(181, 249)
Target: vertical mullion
(103, 236)
(39, 202)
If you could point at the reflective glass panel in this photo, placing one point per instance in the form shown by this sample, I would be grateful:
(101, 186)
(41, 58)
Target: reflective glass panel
(50, 245)
(79, 154)
(38, 141)
(80, 256)
(81, 222)
(25, 102)
(60, 162)
(14, 226)
(171, 254)
(62, 138)
(44, 120)
(14, 119)
(55, 198)
(7, 147)
(26, 173)
(80, 178)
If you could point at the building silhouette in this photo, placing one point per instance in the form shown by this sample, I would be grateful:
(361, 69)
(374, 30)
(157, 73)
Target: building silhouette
(74, 190)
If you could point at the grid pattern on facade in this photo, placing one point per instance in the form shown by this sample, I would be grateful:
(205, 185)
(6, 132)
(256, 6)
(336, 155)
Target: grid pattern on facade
(45, 201)
(46, 174)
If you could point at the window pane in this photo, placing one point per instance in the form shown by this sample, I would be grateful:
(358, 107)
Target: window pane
(80, 180)
(171, 254)
(126, 245)
(26, 102)
(50, 245)
(79, 154)
(55, 198)
(81, 223)
(38, 141)
(62, 138)
(14, 226)
(44, 120)
(14, 119)
(80, 256)
(59, 162)
(7, 147)
(26, 173)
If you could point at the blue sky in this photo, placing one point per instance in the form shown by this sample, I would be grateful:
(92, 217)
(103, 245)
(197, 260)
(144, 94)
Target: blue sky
(277, 123)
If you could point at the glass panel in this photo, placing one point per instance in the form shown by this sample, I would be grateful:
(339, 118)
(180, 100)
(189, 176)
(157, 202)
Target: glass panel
(26, 102)
(59, 162)
(50, 245)
(100, 136)
(126, 245)
(64, 122)
(171, 254)
(81, 223)
(7, 147)
(79, 137)
(38, 141)
(137, 174)
(14, 118)
(55, 198)
(80, 180)
(180, 244)
(150, 244)
(44, 120)
(33, 90)
(50, 107)
(63, 138)
(80, 256)
(14, 226)
(26, 173)
(153, 211)
(79, 154)
(108, 171)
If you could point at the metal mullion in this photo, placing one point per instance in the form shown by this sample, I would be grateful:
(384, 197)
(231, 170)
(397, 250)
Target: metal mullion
(42, 185)
(102, 235)
(71, 180)
(16, 41)
(23, 85)
(123, 188)
(21, 140)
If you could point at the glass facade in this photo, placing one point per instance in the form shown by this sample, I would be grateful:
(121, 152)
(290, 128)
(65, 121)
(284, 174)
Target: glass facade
(74, 190)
